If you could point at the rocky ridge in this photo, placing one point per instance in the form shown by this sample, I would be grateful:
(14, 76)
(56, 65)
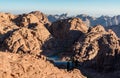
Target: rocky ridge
(22, 39)
(28, 36)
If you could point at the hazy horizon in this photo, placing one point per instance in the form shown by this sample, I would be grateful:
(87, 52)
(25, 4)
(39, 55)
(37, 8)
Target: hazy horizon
(89, 7)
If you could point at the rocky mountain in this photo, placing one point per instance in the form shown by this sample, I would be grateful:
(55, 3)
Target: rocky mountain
(66, 31)
(22, 39)
(27, 41)
(106, 21)
(99, 49)
(89, 20)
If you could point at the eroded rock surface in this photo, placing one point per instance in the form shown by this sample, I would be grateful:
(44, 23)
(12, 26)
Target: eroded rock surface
(27, 40)
(28, 66)
(31, 18)
(23, 33)
(22, 40)
(6, 25)
(101, 49)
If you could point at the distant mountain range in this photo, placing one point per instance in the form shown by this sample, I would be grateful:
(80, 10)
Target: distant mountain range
(115, 28)
(89, 20)
(106, 21)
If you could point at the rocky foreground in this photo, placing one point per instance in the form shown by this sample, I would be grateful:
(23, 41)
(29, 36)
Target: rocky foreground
(29, 66)
(26, 41)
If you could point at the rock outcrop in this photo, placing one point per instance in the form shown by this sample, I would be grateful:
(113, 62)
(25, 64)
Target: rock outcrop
(22, 40)
(25, 33)
(6, 25)
(31, 18)
(67, 31)
(100, 48)
(28, 66)
(42, 17)
(27, 40)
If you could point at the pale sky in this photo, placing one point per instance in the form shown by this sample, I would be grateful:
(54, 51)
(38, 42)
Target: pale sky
(72, 7)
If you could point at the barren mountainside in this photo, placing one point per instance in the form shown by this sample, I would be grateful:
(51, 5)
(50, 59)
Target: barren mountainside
(27, 42)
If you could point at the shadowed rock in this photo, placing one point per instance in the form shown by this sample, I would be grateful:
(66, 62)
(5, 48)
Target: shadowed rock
(100, 48)
(67, 31)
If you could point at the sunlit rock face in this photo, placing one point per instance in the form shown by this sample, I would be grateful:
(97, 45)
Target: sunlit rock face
(28, 66)
(27, 40)
(6, 25)
(32, 18)
(24, 33)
